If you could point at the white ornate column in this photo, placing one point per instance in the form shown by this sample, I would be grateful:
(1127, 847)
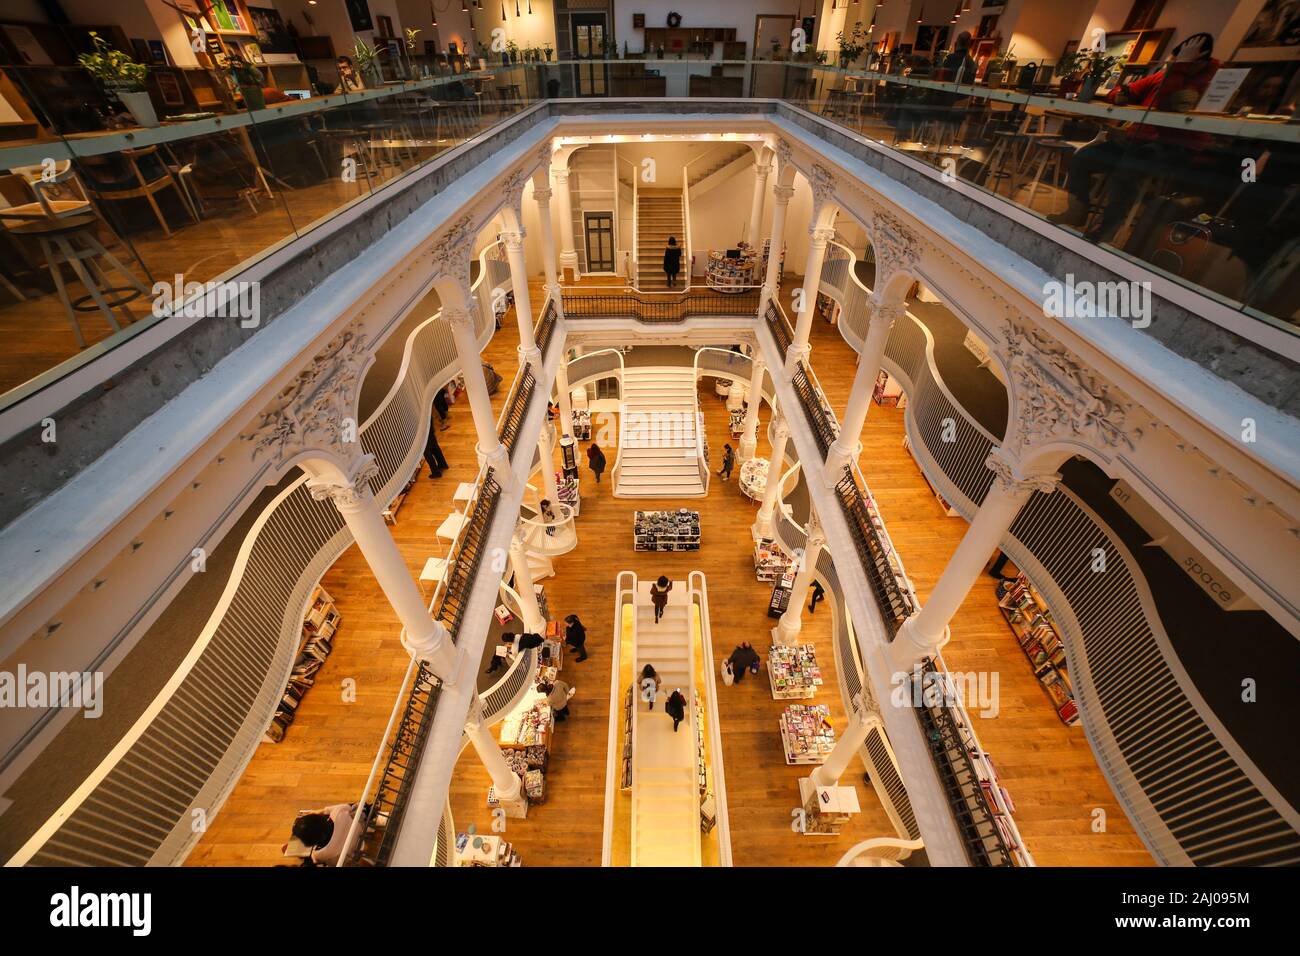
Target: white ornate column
(845, 449)
(761, 171)
(424, 637)
(534, 623)
(568, 250)
(849, 742)
(787, 629)
(513, 240)
(563, 399)
(926, 631)
(489, 447)
(749, 431)
(781, 195)
(507, 786)
(542, 194)
(762, 527)
(821, 232)
(812, 268)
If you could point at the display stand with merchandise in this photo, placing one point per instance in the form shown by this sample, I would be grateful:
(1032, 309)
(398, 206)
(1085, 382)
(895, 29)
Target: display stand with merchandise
(527, 741)
(782, 587)
(806, 733)
(753, 478)
(582, 424)
(319, 626)
(473, 849)
(1031, 622)
(770, 562)
(727, 273)
(793, 671)
(826, 809)
(569, 492)
(666, 530)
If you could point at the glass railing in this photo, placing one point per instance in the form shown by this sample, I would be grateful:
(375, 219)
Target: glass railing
(108, 228)
(1207, 199)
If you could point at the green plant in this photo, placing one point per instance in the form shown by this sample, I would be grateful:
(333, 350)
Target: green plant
(1101, 65)
(548, 50)
(853, 45)
(366, 57)
(512, 48)
(411, 34)
(113, 68)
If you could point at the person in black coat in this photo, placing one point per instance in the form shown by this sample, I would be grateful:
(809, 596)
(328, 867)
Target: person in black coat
(741, 659)
(672, 260)
(433, 454)
(596, 460)
(818, 594)
(443, 408)
(675, 707)
(575, 635)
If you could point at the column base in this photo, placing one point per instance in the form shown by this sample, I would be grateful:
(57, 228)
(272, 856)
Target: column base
(909, 647)
(436, 650)
(748, 449)
(796, 354)
(788, 629)
(837, 459)
(497, 459)
(762, 528)
(528, 356)
(516, 807)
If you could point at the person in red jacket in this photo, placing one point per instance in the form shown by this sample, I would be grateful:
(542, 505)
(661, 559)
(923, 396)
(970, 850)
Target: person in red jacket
(1139, 150)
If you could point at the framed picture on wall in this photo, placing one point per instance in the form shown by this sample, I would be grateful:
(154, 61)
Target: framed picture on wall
(169, 87)
(359, 14)
(1275, 34)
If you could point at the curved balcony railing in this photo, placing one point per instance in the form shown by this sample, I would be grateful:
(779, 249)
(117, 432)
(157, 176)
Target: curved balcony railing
(516, 407)
(544, 331)
(1147, 723)
(221, 699)
(657, 307)
(549, 538)
(817, 411)
(779, 326)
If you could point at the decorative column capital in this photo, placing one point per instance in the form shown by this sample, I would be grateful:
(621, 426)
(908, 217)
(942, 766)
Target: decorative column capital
(779, 425)
(542, 194)
(512, 189)
(823, 186)
(761, 170)
(459, 318)
(816, 535)
(887, 315)
(821, 235)
(351, 493)
(513, 239)
(783, 194)
(1011, 479)
(784, 151)
(561, 176)
(897, 248)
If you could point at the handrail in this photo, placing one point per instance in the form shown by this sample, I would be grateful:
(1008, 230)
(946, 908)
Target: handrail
(890, 849)
(544, 331)
(686, 222)
(779, 326)
(624, 594)
(700, 592)
(701, 452)
(564, 538)
(876, 554)
(658, 307)
(816, 409)
(512, 415)
(635, 278)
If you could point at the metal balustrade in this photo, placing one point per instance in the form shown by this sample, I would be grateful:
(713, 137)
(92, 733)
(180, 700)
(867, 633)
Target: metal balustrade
(895, 604)
(779, 326)
(388, 805)
(546, 325)
(657, 307)
(512, 417)
(815, 408)
(983, 840)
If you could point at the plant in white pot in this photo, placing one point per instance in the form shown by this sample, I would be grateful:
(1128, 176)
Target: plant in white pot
(122, 77)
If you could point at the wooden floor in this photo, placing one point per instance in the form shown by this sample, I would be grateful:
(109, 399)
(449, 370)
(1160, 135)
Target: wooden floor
(1048, 768)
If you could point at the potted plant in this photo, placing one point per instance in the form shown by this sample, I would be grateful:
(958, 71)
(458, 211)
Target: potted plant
(548, 50)
(1001, 65)
(122, 77)
(1071, 71)
(1100, 66)
(851, 46)
(249, 80)
(366, 59)
(512, 52)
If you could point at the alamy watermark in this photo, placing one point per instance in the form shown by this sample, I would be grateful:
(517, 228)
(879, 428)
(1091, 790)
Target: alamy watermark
(83, 690)
(1089, 300)
(976, 690)
(209, 300)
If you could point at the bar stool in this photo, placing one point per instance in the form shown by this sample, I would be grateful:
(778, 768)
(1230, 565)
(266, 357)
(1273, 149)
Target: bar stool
(1004, 158)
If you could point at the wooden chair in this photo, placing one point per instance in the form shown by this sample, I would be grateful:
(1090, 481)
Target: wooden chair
(148, 183)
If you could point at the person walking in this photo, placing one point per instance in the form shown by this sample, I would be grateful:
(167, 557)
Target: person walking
(675, 707)
(443, 408)
(433, 453)
(672, 260)
(728, 462)
(548, 516)
(596, 460)
(650, 684)
(659, 596)
(741, 660)
(818, 594)
(558, 694)
(575, 635)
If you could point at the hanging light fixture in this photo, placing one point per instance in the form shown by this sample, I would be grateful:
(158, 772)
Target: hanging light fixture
(530, 7)
(921, 16)
(503, 11)
(433, 14)
(517, 13)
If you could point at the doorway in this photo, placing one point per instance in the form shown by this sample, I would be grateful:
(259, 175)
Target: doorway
(769, 81)
(590, 33)
(598, 227)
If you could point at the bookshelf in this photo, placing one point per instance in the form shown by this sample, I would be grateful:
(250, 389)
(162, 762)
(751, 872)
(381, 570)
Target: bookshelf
(319, 626)
(753, 478)
(730, 274)
(1030, 620)
(782, 586)
(666, 530)
(770, 562)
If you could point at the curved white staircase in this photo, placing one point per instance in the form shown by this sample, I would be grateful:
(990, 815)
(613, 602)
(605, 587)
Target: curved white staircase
(659, 455)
